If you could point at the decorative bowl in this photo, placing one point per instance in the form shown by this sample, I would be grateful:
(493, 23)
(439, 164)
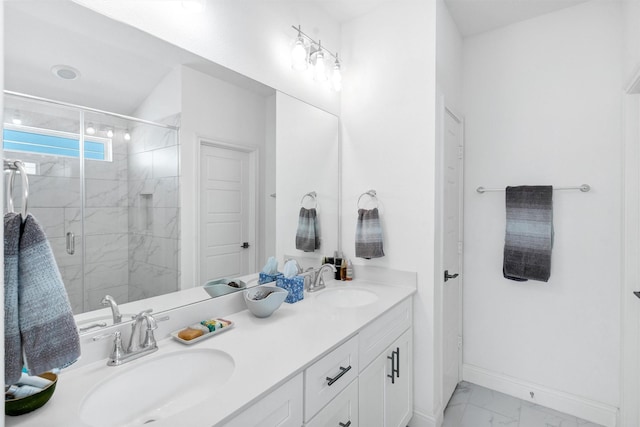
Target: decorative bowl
(263, 300)
(31, 403)
(219, 287)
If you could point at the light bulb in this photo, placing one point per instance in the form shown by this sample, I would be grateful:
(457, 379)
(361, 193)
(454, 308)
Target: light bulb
(336, 76)
(90, 130)
(109, 133)
(16, 119)
(127, 135)
(319, 72)
(299, 55)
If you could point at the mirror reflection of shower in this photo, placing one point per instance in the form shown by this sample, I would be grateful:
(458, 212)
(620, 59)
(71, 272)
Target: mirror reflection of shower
(105, 189)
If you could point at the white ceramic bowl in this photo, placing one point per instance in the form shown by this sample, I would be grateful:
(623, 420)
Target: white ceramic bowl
(266, 306)
(219, 287)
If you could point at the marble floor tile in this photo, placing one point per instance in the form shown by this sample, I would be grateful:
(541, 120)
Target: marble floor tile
(475, 416)
(496, 402)
(474, 406)
(537, 416)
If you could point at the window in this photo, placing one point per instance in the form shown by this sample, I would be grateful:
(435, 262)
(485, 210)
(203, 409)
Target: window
(54, 143)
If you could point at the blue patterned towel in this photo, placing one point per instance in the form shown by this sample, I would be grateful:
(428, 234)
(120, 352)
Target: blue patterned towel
(12, 344)
(307, 236)
(369, 234)
(48, 333)
(529, 233)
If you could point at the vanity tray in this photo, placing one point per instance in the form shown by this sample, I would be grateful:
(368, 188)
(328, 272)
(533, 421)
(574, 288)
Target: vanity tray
(174, 334)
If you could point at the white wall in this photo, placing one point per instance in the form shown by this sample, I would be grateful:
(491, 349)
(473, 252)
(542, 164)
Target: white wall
(543, 106)
(630, 375)
(217, 111)
(251, 37)
(388, 130)
(165, 100)
(448, 58)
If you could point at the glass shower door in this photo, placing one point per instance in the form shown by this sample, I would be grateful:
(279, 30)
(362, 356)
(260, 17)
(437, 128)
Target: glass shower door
(46, 137)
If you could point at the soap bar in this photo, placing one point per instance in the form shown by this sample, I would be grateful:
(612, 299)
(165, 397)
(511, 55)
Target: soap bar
(189, 334)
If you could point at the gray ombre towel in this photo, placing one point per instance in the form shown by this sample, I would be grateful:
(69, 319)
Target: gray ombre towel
(368, 234)
(529, 233)
(307, 235)
(12, 345)
(48, 330)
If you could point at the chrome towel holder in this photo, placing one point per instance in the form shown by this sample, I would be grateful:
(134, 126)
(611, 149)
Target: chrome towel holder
(372, 194)
(14, 166)
(585, 188)
(313, 195)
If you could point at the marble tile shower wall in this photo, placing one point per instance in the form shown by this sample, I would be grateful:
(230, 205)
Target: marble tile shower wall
(55, 200)
(154, 214)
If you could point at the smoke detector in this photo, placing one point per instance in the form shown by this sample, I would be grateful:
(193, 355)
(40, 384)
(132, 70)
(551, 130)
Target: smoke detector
(65, 72)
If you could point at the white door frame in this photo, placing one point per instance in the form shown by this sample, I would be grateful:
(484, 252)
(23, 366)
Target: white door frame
(442, 110)
(254, 202)
(630, 321)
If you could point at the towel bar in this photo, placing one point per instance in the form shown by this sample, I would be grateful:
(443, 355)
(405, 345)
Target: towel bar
(584, 188)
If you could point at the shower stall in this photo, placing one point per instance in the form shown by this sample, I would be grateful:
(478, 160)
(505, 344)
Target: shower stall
(105, 188)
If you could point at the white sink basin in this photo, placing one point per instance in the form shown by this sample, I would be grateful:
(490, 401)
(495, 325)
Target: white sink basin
(150, 390)
(349, 297)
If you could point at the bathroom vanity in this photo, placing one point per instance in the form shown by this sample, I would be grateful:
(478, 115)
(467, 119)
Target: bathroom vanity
(342, 356)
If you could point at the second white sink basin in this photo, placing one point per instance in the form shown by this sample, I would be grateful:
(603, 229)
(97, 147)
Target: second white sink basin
(153, 389)
(347, 297)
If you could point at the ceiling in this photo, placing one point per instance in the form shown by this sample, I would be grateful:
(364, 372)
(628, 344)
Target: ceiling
(477, 16)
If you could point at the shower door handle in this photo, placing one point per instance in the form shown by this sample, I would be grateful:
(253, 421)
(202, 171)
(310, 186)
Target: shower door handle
(71, 243)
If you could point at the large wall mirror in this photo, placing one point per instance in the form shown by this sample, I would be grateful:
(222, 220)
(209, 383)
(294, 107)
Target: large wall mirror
(182, 161)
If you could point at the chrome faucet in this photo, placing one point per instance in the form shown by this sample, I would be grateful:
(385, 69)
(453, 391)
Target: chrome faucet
(318, 281)
(139, 345)
(108, 300)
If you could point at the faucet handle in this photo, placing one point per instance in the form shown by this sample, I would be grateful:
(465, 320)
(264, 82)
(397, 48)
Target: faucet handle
(152, 325)
(117, 353)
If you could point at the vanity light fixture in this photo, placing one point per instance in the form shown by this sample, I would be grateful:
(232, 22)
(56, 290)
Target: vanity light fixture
(90, 130)
(308, 52)
(299, 53)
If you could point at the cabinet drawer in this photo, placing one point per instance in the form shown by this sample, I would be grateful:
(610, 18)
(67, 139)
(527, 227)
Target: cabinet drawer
(280, 408)
(329, 376)
(380, 333)
(343, 410)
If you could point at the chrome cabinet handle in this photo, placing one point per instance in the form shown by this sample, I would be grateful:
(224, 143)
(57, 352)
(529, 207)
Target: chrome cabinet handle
(343, 371)
(71, 243)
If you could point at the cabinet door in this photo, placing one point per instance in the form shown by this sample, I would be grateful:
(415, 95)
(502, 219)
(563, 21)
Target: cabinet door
(341, 411)
(399, 390)
(280, 408)
(372, 382)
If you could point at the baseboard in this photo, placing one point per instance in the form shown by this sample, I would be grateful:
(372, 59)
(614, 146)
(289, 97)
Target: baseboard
(590, 410)
(422, 420)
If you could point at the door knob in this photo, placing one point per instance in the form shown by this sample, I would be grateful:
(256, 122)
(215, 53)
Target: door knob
(245, 245)
(448, 276)
(636, 293)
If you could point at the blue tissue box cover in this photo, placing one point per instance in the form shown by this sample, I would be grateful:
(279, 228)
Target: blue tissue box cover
(266, 278)
(295, 286)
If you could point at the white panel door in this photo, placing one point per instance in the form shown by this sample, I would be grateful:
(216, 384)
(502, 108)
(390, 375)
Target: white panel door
(225, 214)
(452, 262)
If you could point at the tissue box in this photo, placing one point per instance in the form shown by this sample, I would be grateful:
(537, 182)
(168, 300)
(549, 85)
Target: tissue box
(266, 278)
(295, 286)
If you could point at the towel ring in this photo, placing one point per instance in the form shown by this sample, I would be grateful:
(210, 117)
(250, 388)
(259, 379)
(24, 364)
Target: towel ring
(370, 193)
(12, 166)
(313, 195)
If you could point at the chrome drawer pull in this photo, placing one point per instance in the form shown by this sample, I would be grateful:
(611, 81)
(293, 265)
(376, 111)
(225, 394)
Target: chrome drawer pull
(337, 377)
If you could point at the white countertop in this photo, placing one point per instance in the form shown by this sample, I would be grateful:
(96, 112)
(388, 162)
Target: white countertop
(266, 352)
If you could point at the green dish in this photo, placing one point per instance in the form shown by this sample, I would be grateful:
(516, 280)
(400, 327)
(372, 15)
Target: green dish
(27, 404)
